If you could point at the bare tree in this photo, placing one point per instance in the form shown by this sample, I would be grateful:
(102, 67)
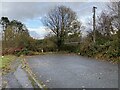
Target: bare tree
(113, 8)
(61, 20)
(104, 24)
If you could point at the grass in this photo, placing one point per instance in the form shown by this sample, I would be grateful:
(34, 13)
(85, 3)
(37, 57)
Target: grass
(5, 62)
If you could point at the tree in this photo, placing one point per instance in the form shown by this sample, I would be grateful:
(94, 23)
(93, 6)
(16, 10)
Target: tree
(104, 24)
(4, 22)
(18, 27)
(114, 8)
(15, 36)
(61, 20)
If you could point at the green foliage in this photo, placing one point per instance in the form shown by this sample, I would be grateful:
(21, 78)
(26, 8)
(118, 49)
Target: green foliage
(5, 62)
(16, 38)
(22, 52)
(107, 50)
(70, 48)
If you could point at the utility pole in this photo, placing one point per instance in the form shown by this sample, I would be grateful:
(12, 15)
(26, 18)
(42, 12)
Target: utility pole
(94, 25)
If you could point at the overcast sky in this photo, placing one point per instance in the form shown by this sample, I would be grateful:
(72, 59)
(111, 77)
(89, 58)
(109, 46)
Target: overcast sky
(30, 13)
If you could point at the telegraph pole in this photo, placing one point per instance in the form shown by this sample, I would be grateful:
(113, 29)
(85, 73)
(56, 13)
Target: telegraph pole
(94, 25)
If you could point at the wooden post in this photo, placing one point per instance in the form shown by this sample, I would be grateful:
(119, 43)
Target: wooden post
(94, 25)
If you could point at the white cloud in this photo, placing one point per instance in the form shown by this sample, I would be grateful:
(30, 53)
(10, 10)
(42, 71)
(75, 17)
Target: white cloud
(24, 10)
(31, 10)
(42, 31)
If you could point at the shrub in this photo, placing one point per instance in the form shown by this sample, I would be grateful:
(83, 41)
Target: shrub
(22, 52)
(70, 48)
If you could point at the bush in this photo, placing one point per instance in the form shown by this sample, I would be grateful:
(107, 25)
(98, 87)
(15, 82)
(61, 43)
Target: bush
(49, 49)
(70, 48)
(22, 52)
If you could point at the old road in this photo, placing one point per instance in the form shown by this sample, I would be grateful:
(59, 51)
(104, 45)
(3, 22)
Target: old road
(72, 71)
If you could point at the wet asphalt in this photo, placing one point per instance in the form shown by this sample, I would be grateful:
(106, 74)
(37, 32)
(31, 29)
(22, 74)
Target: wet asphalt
(17, 79)
(73, 71)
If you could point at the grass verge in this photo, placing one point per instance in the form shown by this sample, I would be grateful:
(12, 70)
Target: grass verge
(5, 62)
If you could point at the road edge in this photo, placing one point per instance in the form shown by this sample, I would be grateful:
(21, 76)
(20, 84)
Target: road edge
(27, 68)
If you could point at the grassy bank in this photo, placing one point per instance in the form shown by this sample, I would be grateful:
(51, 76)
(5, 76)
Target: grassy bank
(5, 63)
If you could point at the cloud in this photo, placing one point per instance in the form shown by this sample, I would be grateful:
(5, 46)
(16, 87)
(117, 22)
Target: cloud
(27, 10)
(30, 10)
(23, 10)
(42, 31)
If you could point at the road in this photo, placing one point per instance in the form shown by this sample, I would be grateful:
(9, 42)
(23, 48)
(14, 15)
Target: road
(72, 71)
(17, 79)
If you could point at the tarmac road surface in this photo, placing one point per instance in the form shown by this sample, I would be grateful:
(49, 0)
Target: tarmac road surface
(72, 71)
